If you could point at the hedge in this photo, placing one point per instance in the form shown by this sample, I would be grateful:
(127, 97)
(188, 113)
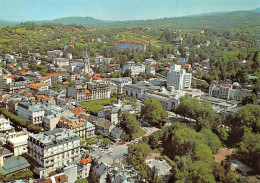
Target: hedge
(20, 121)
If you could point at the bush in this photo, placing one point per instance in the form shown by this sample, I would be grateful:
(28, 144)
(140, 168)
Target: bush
(22, 174)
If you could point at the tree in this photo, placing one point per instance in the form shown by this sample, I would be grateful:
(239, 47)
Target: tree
(249, 99)
(127, 73)
(249, 148)
(130, 123)
(153, 112)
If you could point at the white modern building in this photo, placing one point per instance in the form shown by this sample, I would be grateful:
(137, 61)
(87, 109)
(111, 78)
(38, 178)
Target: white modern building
(178, 78)
(53, 149)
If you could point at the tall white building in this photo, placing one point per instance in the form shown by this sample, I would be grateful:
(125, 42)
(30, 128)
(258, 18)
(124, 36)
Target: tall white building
(53, 149)
(178, 78)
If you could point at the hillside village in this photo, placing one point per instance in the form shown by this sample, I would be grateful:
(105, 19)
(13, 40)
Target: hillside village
(129, 105)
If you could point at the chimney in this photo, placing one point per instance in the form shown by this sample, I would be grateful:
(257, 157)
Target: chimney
(129, 179)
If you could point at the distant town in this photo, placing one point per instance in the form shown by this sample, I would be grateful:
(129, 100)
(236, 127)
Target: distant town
(128, 105)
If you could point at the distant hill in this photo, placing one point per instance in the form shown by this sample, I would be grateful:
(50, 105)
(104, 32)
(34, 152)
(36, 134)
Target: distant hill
(256, 10)
(85, 21)
(236, 19)
(4, 23)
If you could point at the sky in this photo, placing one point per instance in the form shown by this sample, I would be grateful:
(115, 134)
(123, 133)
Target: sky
(25, 10)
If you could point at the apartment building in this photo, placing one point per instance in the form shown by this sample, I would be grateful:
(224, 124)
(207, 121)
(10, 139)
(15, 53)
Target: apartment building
(132, 45)
(32, 113)
(178, 78)
(83, 129)
(120, 82)
(52, 149)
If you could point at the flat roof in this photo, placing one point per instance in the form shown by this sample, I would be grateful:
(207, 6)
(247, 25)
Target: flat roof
(19, 140)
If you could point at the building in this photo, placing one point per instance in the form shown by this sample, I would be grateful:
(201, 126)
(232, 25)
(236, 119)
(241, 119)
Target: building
(84, 168)
(13, 164)
(83, 129)
(98, 90)
(107, 61)
(178, 78)
(135, 69)
(227, 91)
(53, 149)
(38, 86)
(120, 82)
(46, 79)
(17, 86)
(18, 145)
(5, 125)
(32, 113)
(104, 127)
(55, 78)
(78, 92)
(132, 45)
(61, 62)
(99, 59)
(4, 81)
(111, 112)
(150, 69)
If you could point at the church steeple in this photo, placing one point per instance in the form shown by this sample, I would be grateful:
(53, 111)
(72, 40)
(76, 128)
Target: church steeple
(86, 63)
(86, 54)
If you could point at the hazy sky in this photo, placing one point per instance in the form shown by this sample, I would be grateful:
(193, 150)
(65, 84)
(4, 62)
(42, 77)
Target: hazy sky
(116, 9)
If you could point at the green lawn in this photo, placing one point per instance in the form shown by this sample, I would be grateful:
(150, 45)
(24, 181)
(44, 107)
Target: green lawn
(94, 106)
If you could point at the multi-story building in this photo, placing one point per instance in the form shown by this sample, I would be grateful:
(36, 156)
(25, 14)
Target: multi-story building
(132, 45)
(55, 77)
(18, 145)
(78, 92)
(46, 79)
(99, 90)
(38, 86)
(16, 86)
(53, 149)
(178, 78)
(32, 113)
(61, 62)
(120, 82)
(227, 91)
(135, 69)
(4, 81)
(83, 129)
(5, 125)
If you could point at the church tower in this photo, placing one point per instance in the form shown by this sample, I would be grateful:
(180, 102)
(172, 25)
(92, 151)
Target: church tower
(86, 63)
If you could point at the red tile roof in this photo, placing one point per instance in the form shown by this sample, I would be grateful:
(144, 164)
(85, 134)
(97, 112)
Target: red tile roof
(85, 161)
(77, 110)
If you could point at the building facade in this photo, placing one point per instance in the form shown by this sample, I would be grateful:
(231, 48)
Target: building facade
(178, 78)
(52, 149)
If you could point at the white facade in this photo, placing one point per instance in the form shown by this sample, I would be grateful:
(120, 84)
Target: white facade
(32, 113)
(135, 70)
(178, 78)
(52, 149)
(5, 125)
(18, 145)
(4, 80)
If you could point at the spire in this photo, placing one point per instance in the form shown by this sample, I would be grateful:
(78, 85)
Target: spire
(86, 55)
